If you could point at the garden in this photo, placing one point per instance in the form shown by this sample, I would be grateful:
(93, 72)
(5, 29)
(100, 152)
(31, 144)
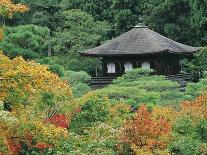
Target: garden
(47, 106)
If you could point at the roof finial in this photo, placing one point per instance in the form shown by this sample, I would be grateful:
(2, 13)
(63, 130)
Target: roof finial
(140, 25)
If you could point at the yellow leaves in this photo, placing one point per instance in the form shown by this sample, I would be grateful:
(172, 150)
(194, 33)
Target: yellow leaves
(29, 76)
(3, 146)
(47, 133)
(167, 113)
(23, 85)
(1, 33)
(196, 109)
(8, 8)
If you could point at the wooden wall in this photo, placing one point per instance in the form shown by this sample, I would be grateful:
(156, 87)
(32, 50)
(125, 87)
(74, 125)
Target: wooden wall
(163, 64)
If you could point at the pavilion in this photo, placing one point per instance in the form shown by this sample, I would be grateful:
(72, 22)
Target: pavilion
(141, 47)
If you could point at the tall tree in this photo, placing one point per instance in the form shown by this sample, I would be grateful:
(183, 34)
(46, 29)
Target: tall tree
(122, 14)
(181, 20)
(42, 13)
(78, 31)
(27, 41)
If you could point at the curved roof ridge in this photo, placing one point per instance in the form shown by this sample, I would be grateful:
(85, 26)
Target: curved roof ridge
(155, 40)
(177, 44)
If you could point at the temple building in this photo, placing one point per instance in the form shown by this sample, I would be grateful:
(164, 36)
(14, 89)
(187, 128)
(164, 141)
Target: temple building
(141, 47)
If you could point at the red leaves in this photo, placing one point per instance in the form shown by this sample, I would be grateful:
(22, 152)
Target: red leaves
(14, 147)
(42, 146)
(58, 120)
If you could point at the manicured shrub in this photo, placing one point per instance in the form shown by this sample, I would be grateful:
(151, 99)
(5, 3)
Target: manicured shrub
(188, 138)
(196, 89)
(76, 77)
(53, 67)
(142, 87)
(78, 82)
(93, 111)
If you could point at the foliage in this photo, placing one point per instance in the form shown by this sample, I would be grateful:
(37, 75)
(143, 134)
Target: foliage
(146, 133)
(1, 34)
(78, 31)
(95, 126)
(140, 86)
(76, 77)
(23, 78)
(163, 130)
(181, 20)
(80, 89)
(195, 89)
(100, 139)
(90, 65)
(123, 15)
(8, 8)
(32, 97)
(78, 82)
(188, 138)
(53, 67)
(198, 64)
(58, 120)
(94, 110)
(134, 75)
(27, 41)
(189, 131)
(36, 106)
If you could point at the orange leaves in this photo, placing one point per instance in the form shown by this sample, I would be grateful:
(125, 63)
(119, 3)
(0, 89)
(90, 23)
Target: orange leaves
(151, 132)
(196, 109)
(146, 132)
(8, 8)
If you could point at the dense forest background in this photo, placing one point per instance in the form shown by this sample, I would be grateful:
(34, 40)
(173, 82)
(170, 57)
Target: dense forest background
(62, 28)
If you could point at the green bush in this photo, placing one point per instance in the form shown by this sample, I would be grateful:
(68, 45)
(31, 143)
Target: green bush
(189, 138)
(91, 66)
(93, 111)
(198, 63)
(80, 89)
(53, 67)
(78, 82)
(133, 75)
(76, 77)
(142, 87)
(129, 93)
(196, 89)
(99, 140)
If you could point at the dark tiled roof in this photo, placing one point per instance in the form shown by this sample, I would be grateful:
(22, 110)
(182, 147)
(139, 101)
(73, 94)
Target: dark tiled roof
(139, 41)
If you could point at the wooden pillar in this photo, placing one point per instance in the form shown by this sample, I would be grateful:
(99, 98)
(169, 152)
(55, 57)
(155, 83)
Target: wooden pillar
(137, 64)
(120, 67)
